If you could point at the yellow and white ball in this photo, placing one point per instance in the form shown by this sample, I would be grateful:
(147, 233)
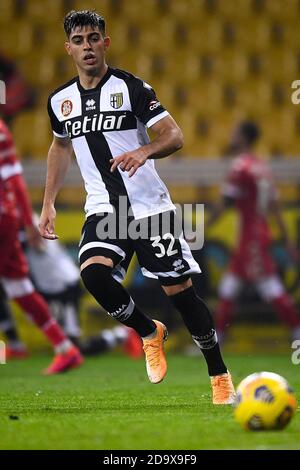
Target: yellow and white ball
(264, 400)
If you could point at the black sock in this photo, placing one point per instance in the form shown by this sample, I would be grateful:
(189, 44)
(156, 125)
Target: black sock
(199, 322)
(7, 324)
(112, 296)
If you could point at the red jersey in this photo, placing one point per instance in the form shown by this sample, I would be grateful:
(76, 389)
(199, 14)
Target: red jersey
(14, 201)
(250, 184)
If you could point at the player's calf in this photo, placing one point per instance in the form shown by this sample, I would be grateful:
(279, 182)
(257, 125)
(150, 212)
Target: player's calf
(112, 296)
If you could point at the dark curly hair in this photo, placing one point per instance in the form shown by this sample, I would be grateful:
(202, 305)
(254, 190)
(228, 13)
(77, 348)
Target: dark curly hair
(83, 18)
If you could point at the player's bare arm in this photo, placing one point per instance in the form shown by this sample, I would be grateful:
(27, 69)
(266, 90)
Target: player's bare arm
(58, 162)
(168, 140)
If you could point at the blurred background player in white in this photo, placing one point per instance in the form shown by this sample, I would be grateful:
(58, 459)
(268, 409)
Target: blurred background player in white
(250, 189)
(15, 210)
(57, 279)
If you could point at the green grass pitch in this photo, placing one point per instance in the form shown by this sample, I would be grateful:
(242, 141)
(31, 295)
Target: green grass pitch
(109, 404)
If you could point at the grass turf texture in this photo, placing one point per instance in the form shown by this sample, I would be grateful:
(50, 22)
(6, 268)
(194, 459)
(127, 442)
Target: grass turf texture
(109, 404)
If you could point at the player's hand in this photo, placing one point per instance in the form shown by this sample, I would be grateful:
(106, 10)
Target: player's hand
(46, 225)
(129, 161)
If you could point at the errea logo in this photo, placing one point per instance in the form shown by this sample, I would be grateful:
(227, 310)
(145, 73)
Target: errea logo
(178, 264)
(90, 105)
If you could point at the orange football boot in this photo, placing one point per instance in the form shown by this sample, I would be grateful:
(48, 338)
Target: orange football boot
(222, 389)
(156, 363)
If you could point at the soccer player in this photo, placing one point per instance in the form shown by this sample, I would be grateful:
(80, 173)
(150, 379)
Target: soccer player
(102, 114)
(57, 278)
(250, 189)
(15, 210)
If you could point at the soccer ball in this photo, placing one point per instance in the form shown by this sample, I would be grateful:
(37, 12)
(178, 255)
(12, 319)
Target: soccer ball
(264, 400)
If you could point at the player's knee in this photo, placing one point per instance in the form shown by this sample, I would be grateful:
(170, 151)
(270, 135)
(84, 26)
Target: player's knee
(97, 260)
(177, 288)
(96, 276)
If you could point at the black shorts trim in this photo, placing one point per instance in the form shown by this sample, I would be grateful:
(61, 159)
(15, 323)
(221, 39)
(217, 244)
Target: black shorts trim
(173, 281)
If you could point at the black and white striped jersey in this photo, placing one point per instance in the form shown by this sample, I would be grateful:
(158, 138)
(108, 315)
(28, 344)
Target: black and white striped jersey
(103, 123)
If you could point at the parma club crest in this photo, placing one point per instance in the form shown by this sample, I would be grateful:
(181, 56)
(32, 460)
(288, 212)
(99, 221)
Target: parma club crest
(116, 100)
(66, 107)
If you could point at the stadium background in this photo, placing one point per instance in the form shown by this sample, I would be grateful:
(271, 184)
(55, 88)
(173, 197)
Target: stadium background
(211, 62)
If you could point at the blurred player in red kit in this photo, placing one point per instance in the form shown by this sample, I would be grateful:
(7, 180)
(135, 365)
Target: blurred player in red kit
(250, 189)
(15, 210)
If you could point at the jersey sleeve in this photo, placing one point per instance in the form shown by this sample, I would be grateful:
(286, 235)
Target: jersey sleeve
(58, 127)
(145, 105)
